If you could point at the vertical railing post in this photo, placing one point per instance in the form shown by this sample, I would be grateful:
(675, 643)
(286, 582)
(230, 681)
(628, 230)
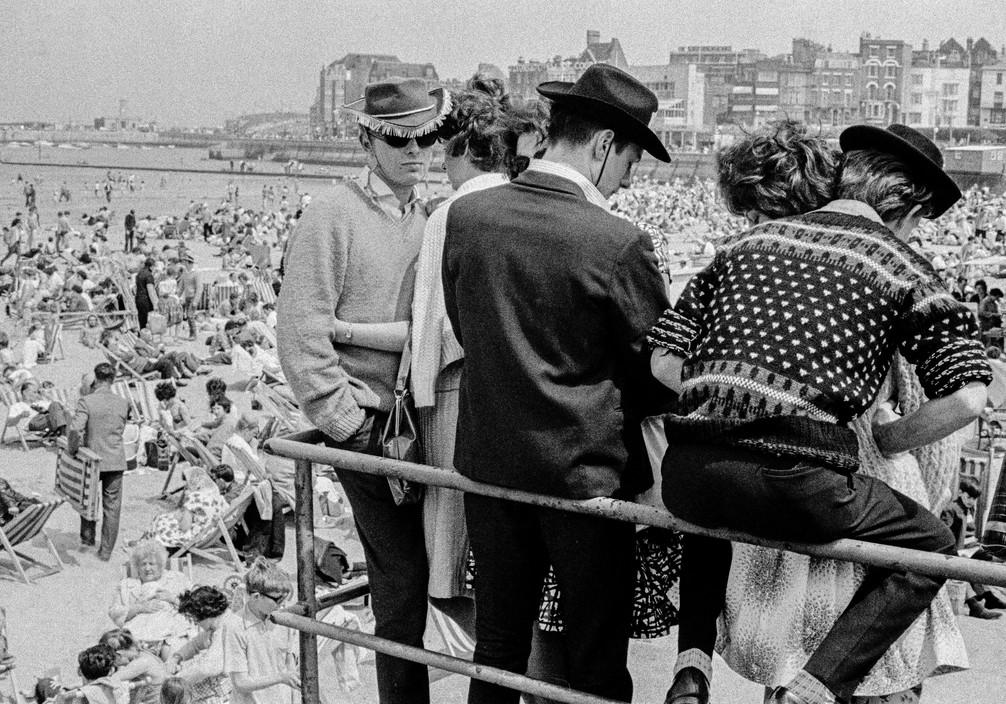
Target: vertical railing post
(304, 513)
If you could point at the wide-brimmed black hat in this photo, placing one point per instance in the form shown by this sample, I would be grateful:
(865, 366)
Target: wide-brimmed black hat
(401, 107)
(615, 99)
(917, 152)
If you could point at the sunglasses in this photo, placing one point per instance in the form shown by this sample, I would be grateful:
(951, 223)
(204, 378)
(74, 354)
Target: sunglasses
(424, 142)
(274, 599)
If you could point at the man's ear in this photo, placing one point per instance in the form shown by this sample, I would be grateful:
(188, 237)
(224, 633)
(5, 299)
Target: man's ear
(365, 141)
(602, 142)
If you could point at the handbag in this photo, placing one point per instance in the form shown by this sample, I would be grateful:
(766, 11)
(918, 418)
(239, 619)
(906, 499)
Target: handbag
(399, 439)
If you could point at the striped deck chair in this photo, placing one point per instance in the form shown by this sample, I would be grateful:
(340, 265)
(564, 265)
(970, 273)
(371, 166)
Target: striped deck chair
(177, 443)
(23, 528)
(7, 399)
(141, 397)
(121, 388)
(67, 398)
(56, 342)
(77, 480)
(216, 535)
(285, 413)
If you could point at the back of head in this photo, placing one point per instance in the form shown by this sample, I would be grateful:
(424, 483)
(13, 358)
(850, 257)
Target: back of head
(96, 662)
(884, 182)
(777, 171)
(104, 373)
(118, 639)
(175, 690)
(202, 603)
(970, 486)
(475, 128)
(265, 577)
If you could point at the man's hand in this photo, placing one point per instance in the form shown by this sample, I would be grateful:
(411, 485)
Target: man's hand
(291, 678)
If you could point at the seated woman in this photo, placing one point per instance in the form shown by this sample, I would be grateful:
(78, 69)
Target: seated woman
(90, 333)
(202, 504)
(200, 662)
(147, 602)
(133, 662)
(173, 412)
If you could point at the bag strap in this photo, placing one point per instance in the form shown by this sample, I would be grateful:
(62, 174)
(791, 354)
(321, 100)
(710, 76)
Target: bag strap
(405, 366)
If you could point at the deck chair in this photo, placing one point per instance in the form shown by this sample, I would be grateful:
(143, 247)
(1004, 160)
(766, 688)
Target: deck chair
(181, 451)
(77, 480)
(124, 369)
(175, 564)
(67, 398)
(457, 643)
(56, 343)
(7, 399)
(144, 401)
(23, 528)
(285, 413)
(217, 535)
(257, 472)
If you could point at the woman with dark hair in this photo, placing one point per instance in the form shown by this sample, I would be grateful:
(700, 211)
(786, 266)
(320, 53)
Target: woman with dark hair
(474, 155)
(779, 606)
(209, 609)
(133, 663)
(527, 132)
(174, 415)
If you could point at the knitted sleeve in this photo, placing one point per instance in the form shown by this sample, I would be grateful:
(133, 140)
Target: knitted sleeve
(680, 327)
(939, 336)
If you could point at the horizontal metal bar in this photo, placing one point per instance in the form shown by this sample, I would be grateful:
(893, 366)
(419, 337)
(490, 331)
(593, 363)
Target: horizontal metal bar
(886, 556)
(439, 660)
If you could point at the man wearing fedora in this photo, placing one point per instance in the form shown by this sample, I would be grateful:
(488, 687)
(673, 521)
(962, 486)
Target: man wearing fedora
(551, 296)
(775, 347)
(351, 259)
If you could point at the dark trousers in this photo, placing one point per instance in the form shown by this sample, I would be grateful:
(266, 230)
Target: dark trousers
(129, 241)
(143, 309)
(783, 499)
(594, 565)
(111, 506)
(397, 570)
(53, 420)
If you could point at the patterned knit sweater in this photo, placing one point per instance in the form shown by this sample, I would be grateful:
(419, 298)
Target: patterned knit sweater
(802, 316)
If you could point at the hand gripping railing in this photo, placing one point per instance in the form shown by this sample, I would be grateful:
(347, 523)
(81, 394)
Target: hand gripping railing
(306, 448)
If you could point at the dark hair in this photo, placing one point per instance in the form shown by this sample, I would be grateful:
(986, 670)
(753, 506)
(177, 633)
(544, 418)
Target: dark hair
(96, 662)
(970, 486)
(103, 371)
(222, 471)
(475, 126)
(148, 262)
(577, 127)
(778, 171)
(996, 293)
(883, 182)
(164, 391)
(494, 87)
(118, 639)
(221, 401)
(202, 603)
(525, 117)
(993, 352)
(175, 690)
(215, 386)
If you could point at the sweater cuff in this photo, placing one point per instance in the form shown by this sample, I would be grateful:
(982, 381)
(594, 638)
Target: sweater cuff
(675, 332)
(344, 425)
(697, 659)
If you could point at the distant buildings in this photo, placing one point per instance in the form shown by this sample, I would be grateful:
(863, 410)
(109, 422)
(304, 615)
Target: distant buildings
(702, 89)
(525, 76)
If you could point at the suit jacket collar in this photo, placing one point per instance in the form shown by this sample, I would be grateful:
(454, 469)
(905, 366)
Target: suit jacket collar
(560, 177)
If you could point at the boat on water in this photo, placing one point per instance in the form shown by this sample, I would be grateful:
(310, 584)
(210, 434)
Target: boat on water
(43, 143)
(67, 146)
(122, 146)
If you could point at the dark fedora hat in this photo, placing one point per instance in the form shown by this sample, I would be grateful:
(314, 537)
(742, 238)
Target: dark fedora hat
(615, 99)
(401, 107)
(916, 151)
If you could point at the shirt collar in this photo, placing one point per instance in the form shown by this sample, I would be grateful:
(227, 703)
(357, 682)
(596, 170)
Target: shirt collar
(567, 172)
(479, 183)
(382, 195)
(852, 207)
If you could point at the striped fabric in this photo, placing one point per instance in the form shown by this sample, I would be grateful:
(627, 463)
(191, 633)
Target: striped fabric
(144, 402)
(67, 398)
(77, 481)
(994, 537)
(121, 388)
(457, 643)
(29, 523)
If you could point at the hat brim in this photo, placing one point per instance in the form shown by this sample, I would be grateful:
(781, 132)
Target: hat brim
(615, 117)
(946, 192)
(414, 125)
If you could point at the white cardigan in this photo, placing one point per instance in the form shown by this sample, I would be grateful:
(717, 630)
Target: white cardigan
(434, 345)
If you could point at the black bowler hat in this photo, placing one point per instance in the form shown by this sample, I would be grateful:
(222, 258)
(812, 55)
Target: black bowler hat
(917, 152)
(616, 99)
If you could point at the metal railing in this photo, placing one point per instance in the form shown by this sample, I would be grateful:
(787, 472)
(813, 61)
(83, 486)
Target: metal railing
(306, 448)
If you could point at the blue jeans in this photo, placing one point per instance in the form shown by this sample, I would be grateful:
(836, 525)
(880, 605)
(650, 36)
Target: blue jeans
(785, 499)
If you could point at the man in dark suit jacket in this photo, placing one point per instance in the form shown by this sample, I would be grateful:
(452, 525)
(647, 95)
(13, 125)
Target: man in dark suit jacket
(130, 226)
(551, 296)
(98, 424)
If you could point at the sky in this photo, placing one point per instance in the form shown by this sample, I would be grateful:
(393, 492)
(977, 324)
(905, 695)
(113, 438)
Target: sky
(199, 62)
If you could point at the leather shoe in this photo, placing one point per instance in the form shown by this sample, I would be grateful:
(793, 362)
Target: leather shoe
(992, 601)
(976, 610)
(781, 695)
(689, 687)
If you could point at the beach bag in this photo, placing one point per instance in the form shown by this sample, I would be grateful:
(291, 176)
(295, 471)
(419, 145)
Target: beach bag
(157, 323)
(400, 440)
